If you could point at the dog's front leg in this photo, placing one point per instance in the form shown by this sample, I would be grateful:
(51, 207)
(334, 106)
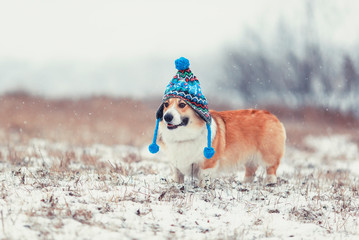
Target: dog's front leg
(205, 177)
(179, 177)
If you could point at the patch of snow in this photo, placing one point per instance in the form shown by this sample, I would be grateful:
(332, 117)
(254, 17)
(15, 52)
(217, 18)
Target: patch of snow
(121, 192)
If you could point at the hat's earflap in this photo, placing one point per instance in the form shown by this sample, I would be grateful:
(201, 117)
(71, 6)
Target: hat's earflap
(208, 151)
(159, 114)
(154, 148)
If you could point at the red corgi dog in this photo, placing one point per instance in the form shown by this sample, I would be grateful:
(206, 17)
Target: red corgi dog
(185, 127)
(249, 137)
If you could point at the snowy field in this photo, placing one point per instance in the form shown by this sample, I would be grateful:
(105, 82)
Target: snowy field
(56, 190)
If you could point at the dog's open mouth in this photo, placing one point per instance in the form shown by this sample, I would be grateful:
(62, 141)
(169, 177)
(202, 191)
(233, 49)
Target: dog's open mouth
(183, 123)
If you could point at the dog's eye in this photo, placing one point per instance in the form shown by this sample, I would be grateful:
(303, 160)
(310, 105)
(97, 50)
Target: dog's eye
(181, 105)
(166, 104)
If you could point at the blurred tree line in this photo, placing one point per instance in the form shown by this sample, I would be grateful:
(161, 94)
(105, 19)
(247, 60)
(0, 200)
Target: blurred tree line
(295, 75)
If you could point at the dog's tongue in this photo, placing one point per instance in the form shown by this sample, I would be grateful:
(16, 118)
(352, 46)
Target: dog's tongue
(171, 126)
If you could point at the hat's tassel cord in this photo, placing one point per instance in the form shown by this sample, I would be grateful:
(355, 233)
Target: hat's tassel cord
(208, 151)
(154, 148)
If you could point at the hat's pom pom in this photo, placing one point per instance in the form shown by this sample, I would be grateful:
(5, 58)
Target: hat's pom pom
(182, 63)
(153, 148)
(208, 152)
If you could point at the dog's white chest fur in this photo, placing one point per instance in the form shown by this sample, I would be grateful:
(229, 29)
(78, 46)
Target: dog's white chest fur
(184, 146)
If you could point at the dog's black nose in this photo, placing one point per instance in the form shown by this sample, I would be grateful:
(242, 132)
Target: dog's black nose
(168, 117)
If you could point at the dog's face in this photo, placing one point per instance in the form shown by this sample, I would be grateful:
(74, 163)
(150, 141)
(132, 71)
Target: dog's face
(180, 120)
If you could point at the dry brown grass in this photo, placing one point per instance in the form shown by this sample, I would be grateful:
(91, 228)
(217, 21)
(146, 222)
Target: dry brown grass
(304, 121)
(84, 121)
(112, 121)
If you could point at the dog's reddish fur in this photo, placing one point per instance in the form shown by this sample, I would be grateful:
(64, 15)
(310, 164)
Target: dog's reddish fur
(243, 133)
(250, 137)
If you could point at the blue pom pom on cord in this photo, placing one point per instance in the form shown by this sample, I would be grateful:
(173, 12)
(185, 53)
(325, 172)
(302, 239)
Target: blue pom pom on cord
(154, 148)
(208, 152)
(182, 63)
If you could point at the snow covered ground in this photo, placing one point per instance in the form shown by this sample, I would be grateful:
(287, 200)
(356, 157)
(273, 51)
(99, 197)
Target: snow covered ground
(55, 190)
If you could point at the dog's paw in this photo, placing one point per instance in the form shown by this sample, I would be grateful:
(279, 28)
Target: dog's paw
(205, 183)
(249, 179)
(271, 179)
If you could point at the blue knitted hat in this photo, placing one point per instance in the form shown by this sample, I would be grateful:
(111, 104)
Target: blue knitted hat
(185, 85)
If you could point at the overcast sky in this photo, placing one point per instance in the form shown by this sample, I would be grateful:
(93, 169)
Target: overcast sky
(98, 30)
(92, 34)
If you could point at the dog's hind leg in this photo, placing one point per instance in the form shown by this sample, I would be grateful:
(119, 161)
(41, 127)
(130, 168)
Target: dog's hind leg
(251, 169)
(273, 148)
(272, 172)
